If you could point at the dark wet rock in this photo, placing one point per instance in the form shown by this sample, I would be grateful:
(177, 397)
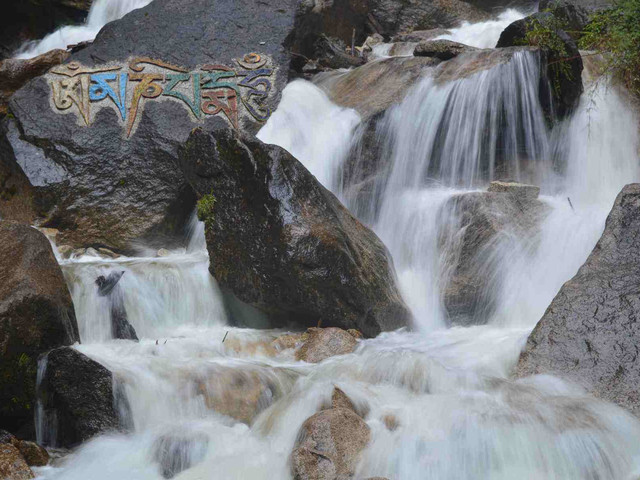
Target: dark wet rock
(563, 87)
(28, 20)
(420, 35)
(109, 287)
(282, 243)
(589, 332)
(12, 464)
(14, 73)
(79, 398)
(332, 54)
(441, 49)
(322, 343)
(475, 225)
(36, 314)
(573, 17)
(178, 452)
(33, 454)
(329, 445)
(393, 16)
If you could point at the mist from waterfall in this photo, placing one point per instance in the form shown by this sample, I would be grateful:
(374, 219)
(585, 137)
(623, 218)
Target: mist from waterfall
(100, 13)
(459, 417)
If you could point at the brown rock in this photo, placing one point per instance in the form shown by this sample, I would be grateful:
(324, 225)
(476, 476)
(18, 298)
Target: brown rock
(442, 49)
(288, 341)
(391, 422)
(339, 399)
(237, 393)
(329, 445)
(323, 343)
(12, 465)
(34, 454)
(14, 73)
(518, 190)
(357, 334)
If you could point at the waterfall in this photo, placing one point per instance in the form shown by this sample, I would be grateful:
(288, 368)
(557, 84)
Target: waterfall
(458, 416)
(101, 13)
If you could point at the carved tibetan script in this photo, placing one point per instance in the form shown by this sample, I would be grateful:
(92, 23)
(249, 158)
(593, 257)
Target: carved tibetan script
(211, 90)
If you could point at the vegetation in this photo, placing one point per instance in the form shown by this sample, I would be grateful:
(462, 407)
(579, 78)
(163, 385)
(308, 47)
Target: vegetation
(616, 34)
(544, 34)
(205, 208)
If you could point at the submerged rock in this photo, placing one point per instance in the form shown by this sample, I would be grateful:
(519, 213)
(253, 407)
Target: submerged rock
(109, 287)
(473, 230)
(36, 314)
(329, 445)
(280, 242)
(79, 398)
(562, 60)
(322, 343)
(178, 452)
(441, 49)
(520, 191)
(589, 332)
(12, 464)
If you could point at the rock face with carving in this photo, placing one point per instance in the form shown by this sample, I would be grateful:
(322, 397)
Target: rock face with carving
(99, 154)
(282, 243)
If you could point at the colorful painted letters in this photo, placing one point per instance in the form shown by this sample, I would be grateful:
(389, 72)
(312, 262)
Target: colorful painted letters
(212, 90)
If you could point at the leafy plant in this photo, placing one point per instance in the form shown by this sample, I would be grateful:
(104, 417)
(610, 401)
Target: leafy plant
(615, 33)
(205, 207)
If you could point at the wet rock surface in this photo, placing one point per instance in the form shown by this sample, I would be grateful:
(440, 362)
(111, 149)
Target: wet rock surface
(329, 444)
(108, 287)
(561, 92)
(36, 314)
(79, 397)
(12, 464)
(322, 343)
(441, 49)
(176, 453)
(588, 333)
(483, 222)
(282, 243)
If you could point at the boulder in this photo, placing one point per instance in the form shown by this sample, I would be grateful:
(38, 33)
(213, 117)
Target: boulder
(323, 343)
(476, 224)
(339, 399)
(441, 49)
(12, 465)
(420, 35)
(79, 398)
(14, 73)
(33, 454)
(102, 170)
(237, 393)
(329, 445)
(572, 16)
(392, 16)
(36, 314)
(282, 243)
(520, 191)
(589, 333)
(562, 60)
(178, 452)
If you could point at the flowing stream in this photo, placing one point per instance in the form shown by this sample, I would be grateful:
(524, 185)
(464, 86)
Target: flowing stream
(457, 415)
(100, 13)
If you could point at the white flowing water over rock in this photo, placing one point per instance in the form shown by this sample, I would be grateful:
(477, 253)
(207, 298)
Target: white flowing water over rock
(101, 13)
(483, 34)
(458, 416)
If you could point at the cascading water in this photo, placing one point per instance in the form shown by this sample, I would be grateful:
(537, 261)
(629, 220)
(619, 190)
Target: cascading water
(101, 13)
(456, 414)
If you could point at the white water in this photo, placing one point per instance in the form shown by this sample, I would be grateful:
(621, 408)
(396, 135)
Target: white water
(458, 415)
(483, 34)
(101, 13)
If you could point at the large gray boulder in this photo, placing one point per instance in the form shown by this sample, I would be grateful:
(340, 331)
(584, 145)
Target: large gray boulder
(476, 227)
(103, 170)
(589, 332)
(36, 314)
(561, 59)
(282, 243)
(80, 398)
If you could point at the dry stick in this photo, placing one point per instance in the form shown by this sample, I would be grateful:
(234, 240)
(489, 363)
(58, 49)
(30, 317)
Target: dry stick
(353, 43)
(225, 336)
(571, 204)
